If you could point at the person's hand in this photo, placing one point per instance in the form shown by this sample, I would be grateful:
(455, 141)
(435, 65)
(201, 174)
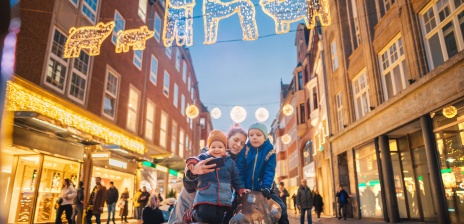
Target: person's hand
(202, 168)
(266, 193)
(242, 191)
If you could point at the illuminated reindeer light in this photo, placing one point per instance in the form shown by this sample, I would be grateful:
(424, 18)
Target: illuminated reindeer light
(285, 12)
(134, 37)
(215, 10)
(178, 22)
(87, 37)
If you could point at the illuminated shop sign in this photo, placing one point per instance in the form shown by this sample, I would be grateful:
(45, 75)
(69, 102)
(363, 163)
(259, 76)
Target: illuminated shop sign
(100, 155)
(117, 163)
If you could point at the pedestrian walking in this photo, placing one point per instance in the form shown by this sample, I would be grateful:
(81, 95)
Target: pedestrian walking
(112, 196)
(342, 202)
(96, 202)
(151, 214)
(124, 209)
(68, 193)
(318, 204)
(294, 203)
(78, 205)
(283, 193)
(305, 201)
(137, 209)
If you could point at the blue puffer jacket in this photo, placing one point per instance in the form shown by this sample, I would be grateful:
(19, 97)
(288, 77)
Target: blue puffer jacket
(215, 188)
(257, 166)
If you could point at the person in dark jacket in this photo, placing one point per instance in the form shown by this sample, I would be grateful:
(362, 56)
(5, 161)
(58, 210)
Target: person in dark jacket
(342, 202)
(96, 202)
(78, 205)
(283, 193)
(143, 199)
(214, 195)
(294, 202)
(318, 204)
(124, 211)
(151, 214)
(112, 196)
(304, 201)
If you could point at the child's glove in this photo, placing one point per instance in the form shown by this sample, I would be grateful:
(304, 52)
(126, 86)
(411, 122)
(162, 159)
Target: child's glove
(242, 191)
(266, 193)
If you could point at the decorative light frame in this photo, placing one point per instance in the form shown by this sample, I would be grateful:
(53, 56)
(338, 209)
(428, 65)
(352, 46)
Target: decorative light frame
(87, 37)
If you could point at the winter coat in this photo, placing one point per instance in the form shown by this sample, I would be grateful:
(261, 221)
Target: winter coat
(99, 200)
(135, 199)
(125, 210)
(346, 196)
(112, 195)
(152, 215)
(284, 197)
(68, 194)
(79, 197)
(214, 187)
(143, 199)
(304, 198)
(257, 166)
(317, 202)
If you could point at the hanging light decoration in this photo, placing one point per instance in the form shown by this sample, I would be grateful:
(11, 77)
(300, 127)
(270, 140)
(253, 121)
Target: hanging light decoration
(216, 113)
(287, 109)
(238, 114)
(192, 111)
(286, 139)
(450, 111)
(262, 114)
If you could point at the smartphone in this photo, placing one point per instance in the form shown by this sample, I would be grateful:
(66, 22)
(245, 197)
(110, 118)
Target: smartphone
(218, 161)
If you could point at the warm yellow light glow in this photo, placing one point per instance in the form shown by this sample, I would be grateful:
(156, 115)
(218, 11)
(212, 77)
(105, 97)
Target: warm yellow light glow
(216, 113)
(178, 22)
(134, 37)
(18, 98)
(285, 12)
(262, 114)
(215, 10)
(286, 139)
(287, 109)
(238, 114)
(450, 111)
(192, 111)
(87, 37)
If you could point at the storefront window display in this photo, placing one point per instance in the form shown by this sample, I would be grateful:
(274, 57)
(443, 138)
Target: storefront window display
(368, 182)
(54, 171)
(121, 181)
(449, 133)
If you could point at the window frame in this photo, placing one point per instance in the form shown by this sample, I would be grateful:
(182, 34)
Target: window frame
(174, 131)
(166, 88)
(169, 52)
(181, 143)
(81, 75)
(157, 29)
(394, 50)
(361, 112)
(176, 96)
(60, 60)
(163, 129)
(334, 55)
(178, 58)
(143, 14)
(137, 60)
(339, 106)
(94, 11)
(113, 95)
(134, 110)
(154, 75)
(114, 34)
(150, 121)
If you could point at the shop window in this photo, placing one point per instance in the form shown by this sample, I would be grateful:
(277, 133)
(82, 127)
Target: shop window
(111, 93)
(133, 107)
(361, 95)
(442, 27)
(393, 68)
(163, 129)
(368, 182)
(57, 65)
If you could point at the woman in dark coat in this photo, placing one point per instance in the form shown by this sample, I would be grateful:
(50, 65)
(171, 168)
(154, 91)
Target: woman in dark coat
(152, 214)
(318, 204)
(124, 210)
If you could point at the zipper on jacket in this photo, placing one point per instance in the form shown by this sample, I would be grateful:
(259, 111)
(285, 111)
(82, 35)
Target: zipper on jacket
(219, 186)
(253, 173)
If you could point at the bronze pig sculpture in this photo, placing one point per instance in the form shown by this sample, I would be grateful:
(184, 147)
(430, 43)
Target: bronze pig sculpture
(254, 208)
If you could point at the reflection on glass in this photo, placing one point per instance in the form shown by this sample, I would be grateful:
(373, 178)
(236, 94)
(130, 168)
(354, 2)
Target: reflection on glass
(368, 182)
(410, 184)
(399, 185)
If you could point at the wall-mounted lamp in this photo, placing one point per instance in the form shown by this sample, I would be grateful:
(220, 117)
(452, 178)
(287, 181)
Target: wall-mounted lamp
(411, 81)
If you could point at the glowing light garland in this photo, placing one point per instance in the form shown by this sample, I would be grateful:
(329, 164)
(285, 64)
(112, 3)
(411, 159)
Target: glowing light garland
(262, 114)
(178, 22)
(450, 111)
(192, 111)
(87, 37)
(285, 12)
(18, 98)
(238, 114)
(286, 138)
(215, 10)
(216, 113)
(287, 110)
(134, 37)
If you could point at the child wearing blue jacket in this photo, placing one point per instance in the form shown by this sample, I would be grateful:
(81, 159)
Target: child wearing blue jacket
(256, 165)
(214, 194)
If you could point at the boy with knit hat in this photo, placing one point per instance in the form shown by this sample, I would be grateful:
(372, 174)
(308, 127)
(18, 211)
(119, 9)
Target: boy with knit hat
(214, 194)
(257, 163)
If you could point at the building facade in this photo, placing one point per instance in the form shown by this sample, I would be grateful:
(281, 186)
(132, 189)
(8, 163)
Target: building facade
(118, 116)
(394, 76)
